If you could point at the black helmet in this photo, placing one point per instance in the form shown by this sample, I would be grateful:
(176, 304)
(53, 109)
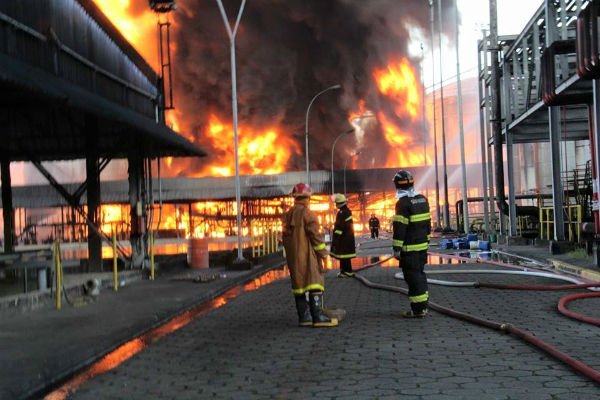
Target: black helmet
(403, 180)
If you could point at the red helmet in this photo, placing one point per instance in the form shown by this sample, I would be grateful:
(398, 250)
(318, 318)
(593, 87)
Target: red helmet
(302, 190)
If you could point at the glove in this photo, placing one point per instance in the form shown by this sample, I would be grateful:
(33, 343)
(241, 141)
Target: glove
(397, 254)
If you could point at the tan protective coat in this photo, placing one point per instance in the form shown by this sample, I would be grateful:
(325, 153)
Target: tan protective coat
(304, 247)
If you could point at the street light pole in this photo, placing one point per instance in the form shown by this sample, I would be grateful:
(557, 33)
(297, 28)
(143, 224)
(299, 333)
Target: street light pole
(460, 127)
(306, 126)
(446, 202)
(332, 152)
(346, 165)
(438, 218)
(232, 34)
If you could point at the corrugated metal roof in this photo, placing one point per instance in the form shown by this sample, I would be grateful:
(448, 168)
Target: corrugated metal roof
(72, 87)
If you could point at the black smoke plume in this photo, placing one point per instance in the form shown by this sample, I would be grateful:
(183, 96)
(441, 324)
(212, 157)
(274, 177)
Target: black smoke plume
(287, 51)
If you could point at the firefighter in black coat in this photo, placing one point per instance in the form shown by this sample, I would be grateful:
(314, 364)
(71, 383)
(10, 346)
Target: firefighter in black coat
(412, 229)
(343, 246)
(374, 226)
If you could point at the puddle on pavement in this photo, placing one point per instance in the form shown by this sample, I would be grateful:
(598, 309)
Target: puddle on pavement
(132, 347)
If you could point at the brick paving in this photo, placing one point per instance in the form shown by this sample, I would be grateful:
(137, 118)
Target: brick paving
(251, 348)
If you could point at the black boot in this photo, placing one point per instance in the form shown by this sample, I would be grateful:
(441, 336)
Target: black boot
(417, 310)
(319, 318)
(304, 317)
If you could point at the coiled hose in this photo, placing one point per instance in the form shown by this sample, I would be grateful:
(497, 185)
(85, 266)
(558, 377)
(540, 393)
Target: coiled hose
(577, 365)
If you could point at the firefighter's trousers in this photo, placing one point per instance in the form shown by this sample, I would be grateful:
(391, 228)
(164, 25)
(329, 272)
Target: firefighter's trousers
(413, 264)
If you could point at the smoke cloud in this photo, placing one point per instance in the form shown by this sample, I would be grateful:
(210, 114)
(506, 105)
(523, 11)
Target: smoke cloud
(287, 51)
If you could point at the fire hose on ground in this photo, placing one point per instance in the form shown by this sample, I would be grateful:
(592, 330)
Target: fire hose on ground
(577, 365)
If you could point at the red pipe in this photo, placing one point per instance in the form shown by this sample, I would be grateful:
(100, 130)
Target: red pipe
(562, 308)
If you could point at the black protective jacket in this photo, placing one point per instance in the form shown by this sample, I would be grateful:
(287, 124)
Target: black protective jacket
(342, 242)
(412, 223)
(374, 223)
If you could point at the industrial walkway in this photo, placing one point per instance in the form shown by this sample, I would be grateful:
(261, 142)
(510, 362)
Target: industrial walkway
(247, 345)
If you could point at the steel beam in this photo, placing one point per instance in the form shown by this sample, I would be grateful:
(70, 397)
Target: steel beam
(7, 206)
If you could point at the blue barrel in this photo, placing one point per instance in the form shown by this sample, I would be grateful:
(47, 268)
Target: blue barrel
(447, 244)
(485, 245)
(471, 237)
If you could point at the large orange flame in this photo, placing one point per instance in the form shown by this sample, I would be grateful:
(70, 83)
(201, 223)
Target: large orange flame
(398, 81)
(402, 131)
(139, 27)
(264, 151)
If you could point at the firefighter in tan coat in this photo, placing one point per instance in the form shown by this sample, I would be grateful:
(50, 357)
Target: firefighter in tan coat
(305, 252)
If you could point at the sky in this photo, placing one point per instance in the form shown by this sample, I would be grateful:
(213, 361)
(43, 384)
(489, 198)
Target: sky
(513, 15)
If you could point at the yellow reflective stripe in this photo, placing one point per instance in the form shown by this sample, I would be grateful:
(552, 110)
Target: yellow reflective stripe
(428, 237)
(349, 218)
(400, 218)
(320, 246)
(349, 255)
(420, 298)
(312, 286)
(420, 217)
(415, 247)
(337, 232)
(397, 243)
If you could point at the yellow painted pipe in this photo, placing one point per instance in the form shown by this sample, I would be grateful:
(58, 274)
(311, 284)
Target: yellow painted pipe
(252, 240)
(151, 255)
(115, 271)
(58, 272)
(264, 240)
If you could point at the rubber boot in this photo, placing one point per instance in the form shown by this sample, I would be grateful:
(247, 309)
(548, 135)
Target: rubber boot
(319, 318)
(304, 317)
(418, 310)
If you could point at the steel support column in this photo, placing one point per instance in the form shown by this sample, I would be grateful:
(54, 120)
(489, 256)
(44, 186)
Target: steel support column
(482, 124)
(596, 156)
(7, 206)
(137, 210)
(554, 135)
(510, 170)
(93, 210)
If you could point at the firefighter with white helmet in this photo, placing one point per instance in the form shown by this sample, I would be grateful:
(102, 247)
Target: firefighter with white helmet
(343, 246)
(412, 229)
(305, 252)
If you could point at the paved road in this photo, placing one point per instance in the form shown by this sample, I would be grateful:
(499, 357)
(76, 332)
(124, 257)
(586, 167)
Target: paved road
(251, 348)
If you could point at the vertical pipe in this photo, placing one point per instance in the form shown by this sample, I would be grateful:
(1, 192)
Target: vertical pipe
(482, 123)
(555, 131)
(423, 118)
(496, 114)
(114, 254)
(58, 274)
(445, 165)
(595, 135)
(252, 239)
(512, 208)
(460, 126)
(151, 255)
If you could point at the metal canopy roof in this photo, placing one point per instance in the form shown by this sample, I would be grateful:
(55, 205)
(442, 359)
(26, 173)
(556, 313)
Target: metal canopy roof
(183, 190)
(72, 86)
